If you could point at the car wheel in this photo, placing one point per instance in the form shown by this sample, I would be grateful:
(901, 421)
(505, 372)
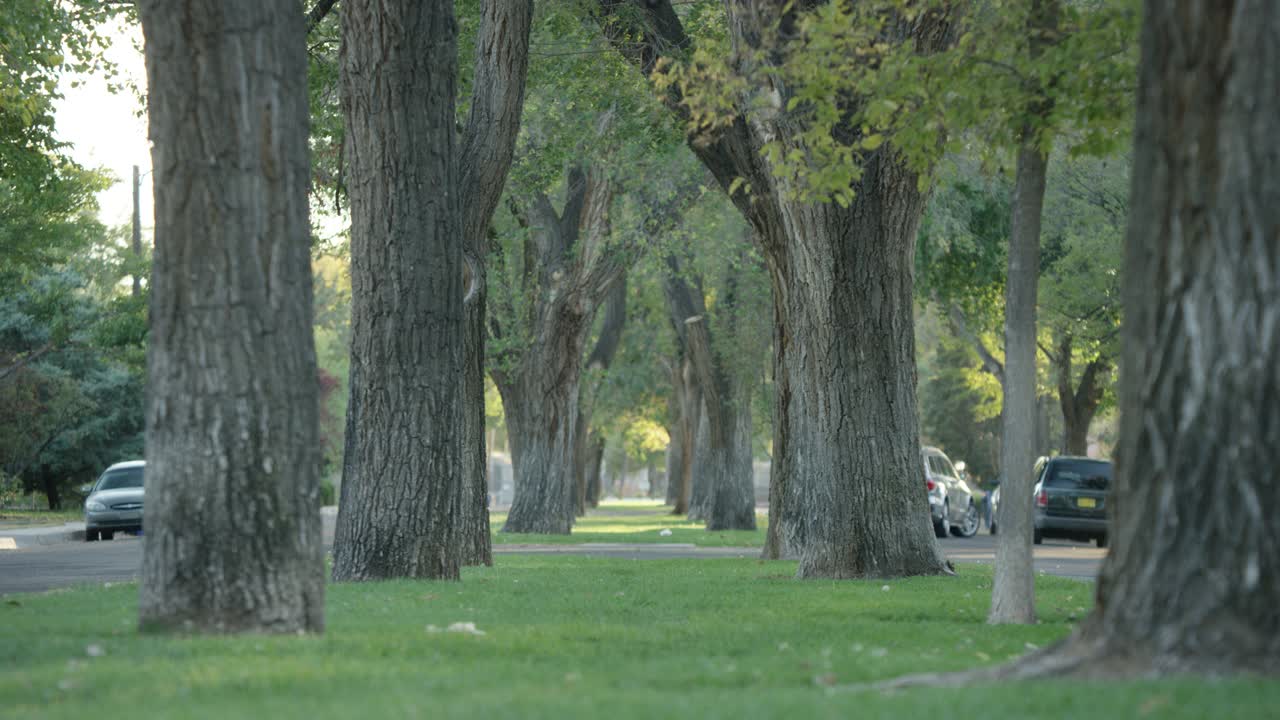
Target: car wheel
(1036, 536)
(90, 535)
(1101, 540)
(108, 534)
(942, 528)
(969, 526)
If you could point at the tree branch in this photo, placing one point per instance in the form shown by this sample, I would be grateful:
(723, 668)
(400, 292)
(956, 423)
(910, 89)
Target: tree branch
(318, 13)
(989, 361)
(488, 140)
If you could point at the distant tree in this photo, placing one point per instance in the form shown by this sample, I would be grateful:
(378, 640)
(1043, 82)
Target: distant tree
(231, 432)
(840, 270)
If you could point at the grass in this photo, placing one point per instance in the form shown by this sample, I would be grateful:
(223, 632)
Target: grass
(635, 522)
(573, 637)
(12, 516)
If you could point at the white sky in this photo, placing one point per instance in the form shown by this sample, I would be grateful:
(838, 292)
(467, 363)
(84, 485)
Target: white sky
(110, 131)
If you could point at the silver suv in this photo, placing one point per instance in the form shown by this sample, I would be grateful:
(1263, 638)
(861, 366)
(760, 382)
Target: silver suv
(951, 502)
(115, 501)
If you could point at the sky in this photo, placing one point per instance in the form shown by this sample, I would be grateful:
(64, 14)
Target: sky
(107, 131)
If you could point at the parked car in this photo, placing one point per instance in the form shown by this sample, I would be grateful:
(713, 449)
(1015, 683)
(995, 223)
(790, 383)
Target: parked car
(115, 501)
(1071, 499)
(952, 506)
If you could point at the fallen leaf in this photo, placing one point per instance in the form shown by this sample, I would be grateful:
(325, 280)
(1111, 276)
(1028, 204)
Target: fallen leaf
(825, 680)
(95, 651)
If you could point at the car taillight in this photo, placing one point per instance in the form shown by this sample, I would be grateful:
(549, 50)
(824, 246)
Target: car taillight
(930, 485)
(1042, 498)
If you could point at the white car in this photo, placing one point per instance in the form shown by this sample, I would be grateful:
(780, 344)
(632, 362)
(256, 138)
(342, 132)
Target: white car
(115, 501)
(952, 504)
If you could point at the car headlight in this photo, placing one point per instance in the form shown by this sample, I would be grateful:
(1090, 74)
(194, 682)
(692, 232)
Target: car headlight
(94, 506)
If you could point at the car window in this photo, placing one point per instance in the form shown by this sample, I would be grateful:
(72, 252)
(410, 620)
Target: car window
(947, 468)
(122, 478)
(1079, 475)
(934, 467)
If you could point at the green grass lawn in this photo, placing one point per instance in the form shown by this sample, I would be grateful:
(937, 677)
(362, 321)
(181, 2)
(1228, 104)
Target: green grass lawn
(635, 522)
(14, 518)
(573, 637)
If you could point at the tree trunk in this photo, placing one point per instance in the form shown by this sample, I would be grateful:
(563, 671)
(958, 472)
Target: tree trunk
(595, 457)
(1193, 580)
(541, 420)
(690, 398)
(1013, 588)
(402, 474)
(601, 357)
(675, 453)
(232, 424)
(568, 275)
(1013, 591)
(850, 446)
(775, 539)
(488, 143)
(1079, 404)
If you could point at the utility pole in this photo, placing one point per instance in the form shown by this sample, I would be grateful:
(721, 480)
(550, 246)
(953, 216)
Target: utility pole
(137, 229)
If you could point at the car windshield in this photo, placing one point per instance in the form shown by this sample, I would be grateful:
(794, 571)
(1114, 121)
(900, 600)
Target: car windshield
(1080, 475)
(122, 478)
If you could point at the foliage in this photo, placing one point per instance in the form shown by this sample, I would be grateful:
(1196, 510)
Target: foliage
(42, 192)
(74, 403)
(835, 73)
(331, 300)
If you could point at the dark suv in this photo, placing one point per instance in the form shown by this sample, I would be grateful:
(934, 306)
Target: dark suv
(1071, 499)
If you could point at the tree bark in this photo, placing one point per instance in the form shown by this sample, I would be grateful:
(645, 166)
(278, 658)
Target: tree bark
(1079, 403)
(595, 457)
(540, 394)
(601, 357)
(1013, 587)
(402, 474)
(849, 449)
(723, 493)
(488, 143)
(1192, 582)
(1013, 591)
(232, 423)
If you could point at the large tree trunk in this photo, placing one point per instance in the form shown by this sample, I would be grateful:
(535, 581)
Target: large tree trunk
(488, 143)
(567, 275)
(775, 539)
(402, 474)
(1013, 589)
(849, 449)
(1192, 582)
(233, 524)
(854, 504)
(541, 413)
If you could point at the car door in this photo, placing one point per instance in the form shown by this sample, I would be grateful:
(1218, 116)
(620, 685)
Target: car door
(956, 492)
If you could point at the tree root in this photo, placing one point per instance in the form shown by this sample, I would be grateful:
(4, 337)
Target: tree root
(1081, 656)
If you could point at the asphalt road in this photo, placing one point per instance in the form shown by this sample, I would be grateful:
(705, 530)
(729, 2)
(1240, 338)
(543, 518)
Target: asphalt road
(46, 567)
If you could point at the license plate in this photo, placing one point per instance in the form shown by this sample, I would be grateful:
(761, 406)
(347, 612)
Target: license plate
(1086, 502)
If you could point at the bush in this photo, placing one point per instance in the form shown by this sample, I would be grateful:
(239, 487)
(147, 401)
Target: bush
(328, 496)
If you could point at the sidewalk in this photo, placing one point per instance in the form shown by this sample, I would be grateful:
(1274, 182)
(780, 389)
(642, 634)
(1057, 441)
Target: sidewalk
(21, 537)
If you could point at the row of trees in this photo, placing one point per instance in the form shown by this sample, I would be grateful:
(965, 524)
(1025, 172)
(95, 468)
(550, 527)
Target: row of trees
(826, 151)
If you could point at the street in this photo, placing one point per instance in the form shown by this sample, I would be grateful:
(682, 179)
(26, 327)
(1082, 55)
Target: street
(46, 567)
